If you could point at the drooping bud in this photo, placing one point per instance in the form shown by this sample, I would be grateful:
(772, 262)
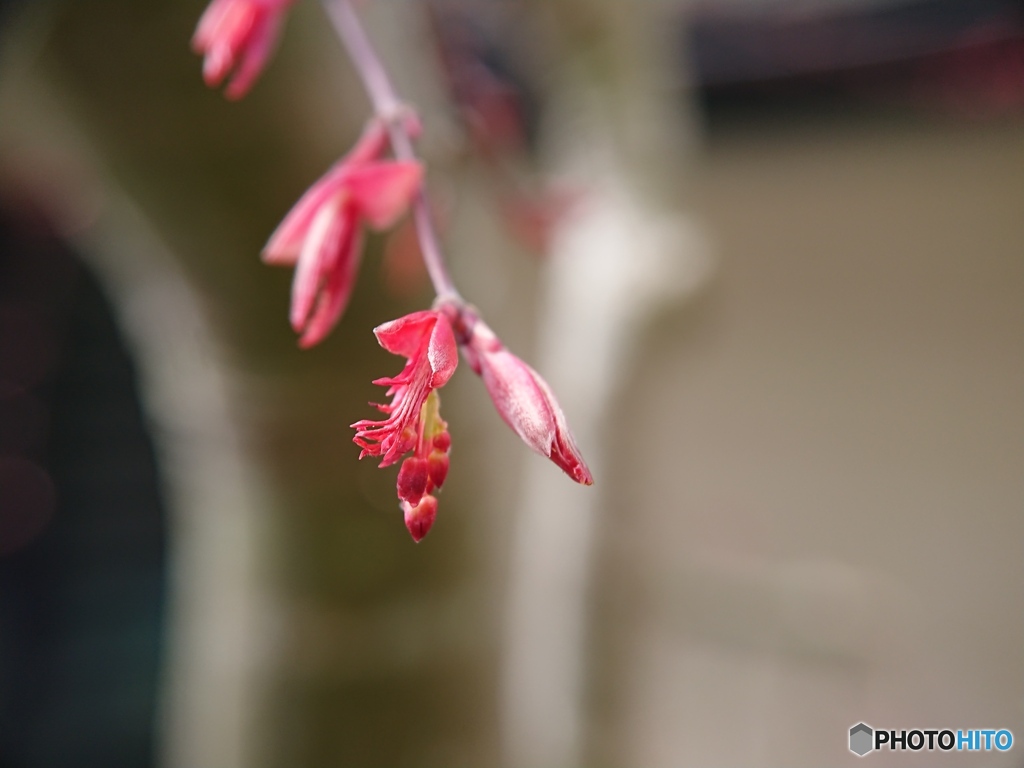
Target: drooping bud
(437, 468)
(442, 441)
(322, 235)
(414, 420)
(420, 518)
(237, 37)
(427, 341)
(412, 480)
(525, 402)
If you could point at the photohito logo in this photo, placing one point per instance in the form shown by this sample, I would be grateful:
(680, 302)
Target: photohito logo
(864, 739)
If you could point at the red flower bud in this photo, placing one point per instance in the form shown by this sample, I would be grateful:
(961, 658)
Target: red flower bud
(437, 468)
(414, 420)
(322, 235)
(525, 402)
(420, 518)
(442, 442)
(412, 480)
(238, 36)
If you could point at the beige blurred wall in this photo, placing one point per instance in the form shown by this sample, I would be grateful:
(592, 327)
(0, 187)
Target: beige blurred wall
(816, 510)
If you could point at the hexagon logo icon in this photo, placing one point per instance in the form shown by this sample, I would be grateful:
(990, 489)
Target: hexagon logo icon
(861, 739)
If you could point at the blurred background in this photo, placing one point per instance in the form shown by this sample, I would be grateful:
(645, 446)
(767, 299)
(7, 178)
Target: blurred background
(769, 254)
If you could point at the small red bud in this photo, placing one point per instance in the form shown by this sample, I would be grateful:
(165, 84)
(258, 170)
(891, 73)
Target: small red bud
(419, 518)
(412, 480)
(526, 403)
(437, 468)
(443, 441)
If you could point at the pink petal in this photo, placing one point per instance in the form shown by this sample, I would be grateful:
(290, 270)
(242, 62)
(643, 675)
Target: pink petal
(208, 24)
(512, 386)
(217, 63)
(383, 190)
(284, 245)
(371, 144)
(227, 39)
(405, 335)
(442, 352)
(335, 295)
(259, 46)
(319, 250)
(427, 342)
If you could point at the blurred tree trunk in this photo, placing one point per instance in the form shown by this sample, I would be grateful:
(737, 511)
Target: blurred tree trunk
(357, 647)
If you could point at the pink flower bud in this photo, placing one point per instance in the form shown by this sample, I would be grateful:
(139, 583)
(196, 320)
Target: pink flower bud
(322, 234)
(525, 402)
(420, 518)
(238, 36)
(426, 340)
(414, 420)
(412, 480)
(442, 442)
(437, 468)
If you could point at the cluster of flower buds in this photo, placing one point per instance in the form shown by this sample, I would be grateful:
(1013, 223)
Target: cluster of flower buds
(322, 235)
(413, 420)
(238, 36)
(322, 238)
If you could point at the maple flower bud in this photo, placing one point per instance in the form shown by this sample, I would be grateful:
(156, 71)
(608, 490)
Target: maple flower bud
(414, 420)
(238, 36)
(525, 401)
(420, 517)
(322, 234)
(437, 467)
(412, 479)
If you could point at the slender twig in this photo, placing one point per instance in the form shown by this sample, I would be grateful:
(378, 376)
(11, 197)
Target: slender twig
(392, 111)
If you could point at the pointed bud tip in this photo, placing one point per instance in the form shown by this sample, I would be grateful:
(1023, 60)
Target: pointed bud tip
(581, 475)
(307, 341)
(420, 519)
(574, 466)
(217, 62)
(235, 92)
(437, 468)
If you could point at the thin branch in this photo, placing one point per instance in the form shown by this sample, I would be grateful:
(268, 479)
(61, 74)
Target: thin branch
(392, 111)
